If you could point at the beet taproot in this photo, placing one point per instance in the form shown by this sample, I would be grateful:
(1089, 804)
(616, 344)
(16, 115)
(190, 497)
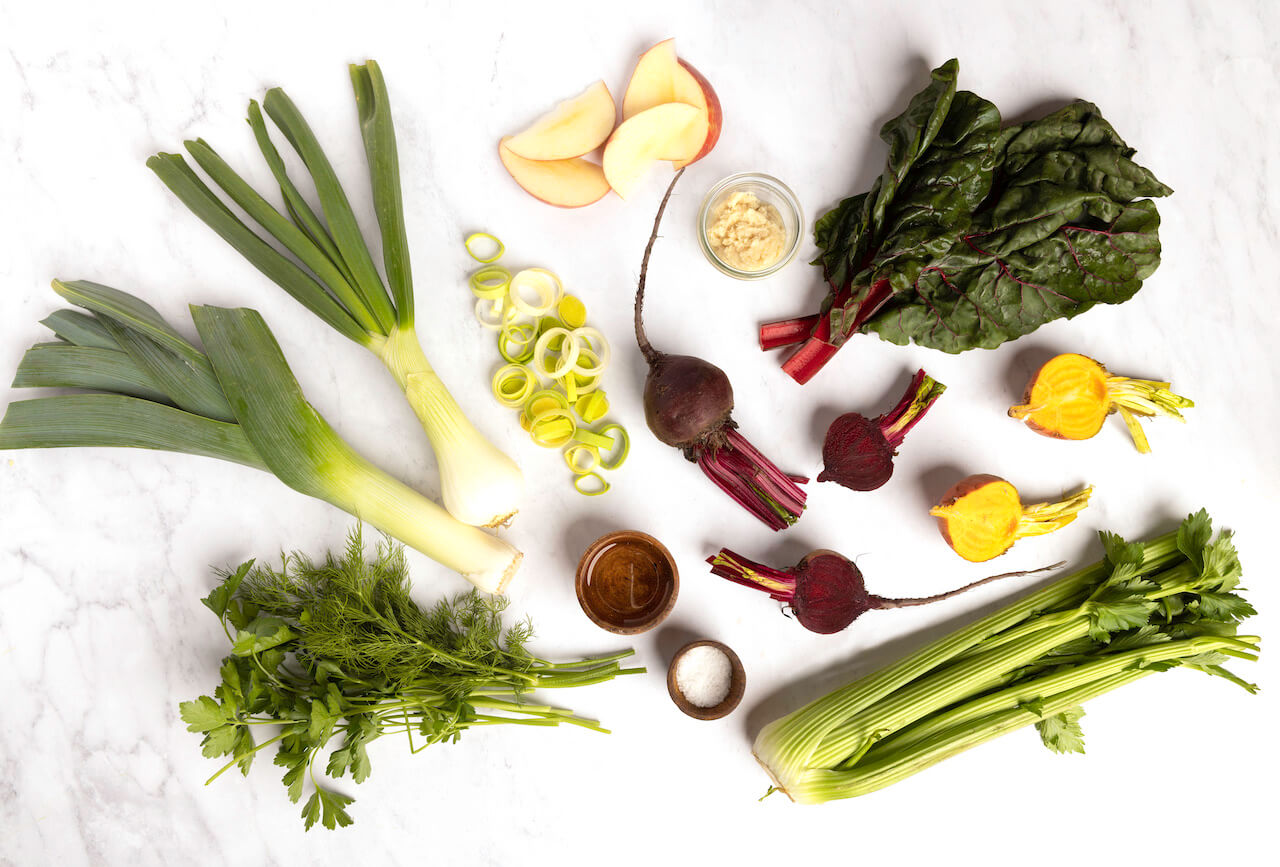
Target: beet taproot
(825, 590)
(858, 452)
(688, 404)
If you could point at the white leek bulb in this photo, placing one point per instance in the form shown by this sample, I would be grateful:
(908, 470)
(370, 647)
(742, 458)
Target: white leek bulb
(479, 484)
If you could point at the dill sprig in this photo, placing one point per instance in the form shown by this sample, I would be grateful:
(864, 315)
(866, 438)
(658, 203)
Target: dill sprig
(339, 648)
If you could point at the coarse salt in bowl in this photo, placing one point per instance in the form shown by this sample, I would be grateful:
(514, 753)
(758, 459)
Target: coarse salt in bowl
(706, 680)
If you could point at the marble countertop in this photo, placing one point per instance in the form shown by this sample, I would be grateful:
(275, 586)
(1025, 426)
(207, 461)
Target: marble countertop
(104, 554)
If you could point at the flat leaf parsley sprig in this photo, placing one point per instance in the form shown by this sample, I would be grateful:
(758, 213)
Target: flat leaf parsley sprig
(340, 649)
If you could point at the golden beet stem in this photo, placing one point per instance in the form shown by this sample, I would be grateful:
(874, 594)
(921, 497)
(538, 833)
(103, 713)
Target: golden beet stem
(1041, 518)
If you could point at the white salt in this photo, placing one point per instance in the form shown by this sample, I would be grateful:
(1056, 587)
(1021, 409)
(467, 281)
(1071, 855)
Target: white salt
(703, 675)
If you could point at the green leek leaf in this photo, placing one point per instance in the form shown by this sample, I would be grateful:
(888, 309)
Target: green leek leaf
(79, 328)
(191, 385)
(117, 420)
(378, 132)
(88, 367)
(295, 442)
(333, 201)
(279, 227)
(299, 211)
(131, 312)
(173, 170)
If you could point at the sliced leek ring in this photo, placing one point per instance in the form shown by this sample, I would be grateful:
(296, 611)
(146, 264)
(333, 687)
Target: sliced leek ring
(602, 486)
(494, 314)
(545, 283)
(477, 239)
(574, 456)
(513, 383)
(490, 283)
(621, 446)
(568, 353)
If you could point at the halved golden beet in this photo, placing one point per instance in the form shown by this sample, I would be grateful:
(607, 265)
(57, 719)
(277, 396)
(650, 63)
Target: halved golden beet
(981, 516)
(1071, 395)
(1067, 398)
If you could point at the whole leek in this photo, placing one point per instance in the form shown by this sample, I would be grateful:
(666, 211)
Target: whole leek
(335, 276)
(237, 401)
(1145, 608)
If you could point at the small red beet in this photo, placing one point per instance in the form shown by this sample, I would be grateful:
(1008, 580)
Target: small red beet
(825, 590)
(858, 452)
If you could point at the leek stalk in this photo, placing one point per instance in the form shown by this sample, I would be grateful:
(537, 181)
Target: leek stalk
(236, 401)
(335, 277)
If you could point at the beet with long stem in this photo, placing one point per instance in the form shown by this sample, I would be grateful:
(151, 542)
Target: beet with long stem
(825, 590)
(858, 452)
(688, 404)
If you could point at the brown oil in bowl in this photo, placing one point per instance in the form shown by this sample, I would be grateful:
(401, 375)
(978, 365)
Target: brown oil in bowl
(628, 583)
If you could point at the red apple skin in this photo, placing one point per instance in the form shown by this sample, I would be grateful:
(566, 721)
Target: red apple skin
(715, 117)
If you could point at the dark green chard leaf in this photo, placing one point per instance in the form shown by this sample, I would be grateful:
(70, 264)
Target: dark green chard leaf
(976, 235)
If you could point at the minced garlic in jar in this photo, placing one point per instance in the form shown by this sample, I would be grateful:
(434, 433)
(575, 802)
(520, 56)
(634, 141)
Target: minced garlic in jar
(747, 234)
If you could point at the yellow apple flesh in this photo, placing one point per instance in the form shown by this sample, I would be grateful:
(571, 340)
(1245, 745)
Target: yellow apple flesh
(575, 127)
(672, 131)
(661, 77)
(570, 183)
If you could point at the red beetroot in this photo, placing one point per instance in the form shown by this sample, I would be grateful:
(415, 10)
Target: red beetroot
(688, 404)
(825, 591)
(858, 452)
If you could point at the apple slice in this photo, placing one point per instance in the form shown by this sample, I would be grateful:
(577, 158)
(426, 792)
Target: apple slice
(693, 88)
(570, 183)
(575, 127)
(672, 131)
(661, 77)
(653, 82)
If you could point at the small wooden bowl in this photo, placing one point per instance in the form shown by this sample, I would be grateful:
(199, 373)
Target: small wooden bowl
(737, 683)
(644, 585)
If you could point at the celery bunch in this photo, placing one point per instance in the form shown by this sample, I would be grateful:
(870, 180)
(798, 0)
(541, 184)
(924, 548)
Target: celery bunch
(1147, 607)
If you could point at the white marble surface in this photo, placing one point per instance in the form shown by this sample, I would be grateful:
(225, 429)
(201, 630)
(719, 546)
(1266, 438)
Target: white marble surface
(104, 554)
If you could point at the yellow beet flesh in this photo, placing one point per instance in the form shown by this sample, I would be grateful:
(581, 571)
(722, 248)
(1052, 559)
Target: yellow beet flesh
(1066, 399)
(979, 517)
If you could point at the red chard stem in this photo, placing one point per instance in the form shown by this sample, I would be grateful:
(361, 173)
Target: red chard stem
(786, 332)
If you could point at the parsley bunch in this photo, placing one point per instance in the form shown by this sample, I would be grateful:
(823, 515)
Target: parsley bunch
(339, 649)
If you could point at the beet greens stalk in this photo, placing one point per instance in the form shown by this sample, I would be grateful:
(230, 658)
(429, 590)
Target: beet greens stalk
(688, 404)
(858, 452)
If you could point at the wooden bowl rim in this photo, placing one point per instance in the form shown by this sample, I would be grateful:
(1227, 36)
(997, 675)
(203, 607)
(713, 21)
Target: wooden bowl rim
(580, 580)
(737, 683)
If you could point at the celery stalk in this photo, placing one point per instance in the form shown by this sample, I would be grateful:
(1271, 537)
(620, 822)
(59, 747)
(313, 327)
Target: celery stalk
(1148, 607)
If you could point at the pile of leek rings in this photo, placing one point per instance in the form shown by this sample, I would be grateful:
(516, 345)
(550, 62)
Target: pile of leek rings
(554, 363)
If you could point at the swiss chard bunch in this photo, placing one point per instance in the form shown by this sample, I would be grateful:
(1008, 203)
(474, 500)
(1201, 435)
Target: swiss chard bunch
(339, 650)
(976, 233)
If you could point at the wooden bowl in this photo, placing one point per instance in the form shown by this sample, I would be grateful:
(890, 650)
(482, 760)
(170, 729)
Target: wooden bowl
(737, 683)
(627, 582)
